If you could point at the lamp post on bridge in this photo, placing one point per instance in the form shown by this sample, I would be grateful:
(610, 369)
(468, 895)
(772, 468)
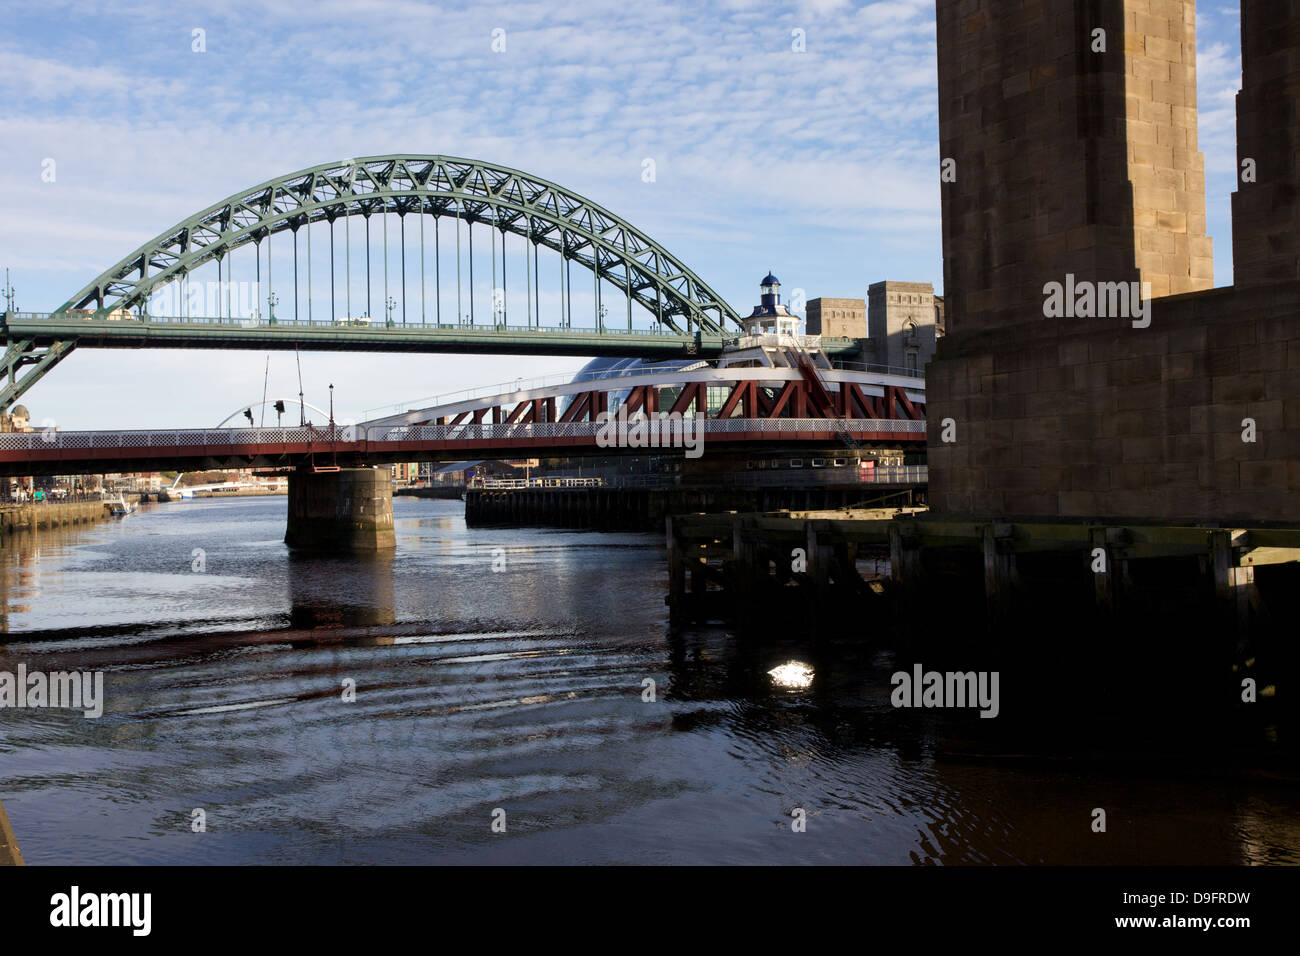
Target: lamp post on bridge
(9, 293)
(333, 451)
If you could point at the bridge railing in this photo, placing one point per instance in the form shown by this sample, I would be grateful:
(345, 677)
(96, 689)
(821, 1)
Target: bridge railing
(341, 324)
(47, 439)
(485, 431)
(847, 365)
(214, 439)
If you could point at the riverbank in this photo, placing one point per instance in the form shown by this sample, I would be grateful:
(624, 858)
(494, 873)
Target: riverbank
(35, 516)
(166, 495)
(10, 855)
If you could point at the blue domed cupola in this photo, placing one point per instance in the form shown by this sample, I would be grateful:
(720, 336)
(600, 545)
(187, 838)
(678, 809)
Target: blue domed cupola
(770, 316)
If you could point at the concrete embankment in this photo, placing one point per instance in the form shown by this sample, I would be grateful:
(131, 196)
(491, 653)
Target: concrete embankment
(10, 855)
(49, 514)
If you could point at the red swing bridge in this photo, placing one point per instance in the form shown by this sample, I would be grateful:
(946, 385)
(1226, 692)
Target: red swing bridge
(743, 409)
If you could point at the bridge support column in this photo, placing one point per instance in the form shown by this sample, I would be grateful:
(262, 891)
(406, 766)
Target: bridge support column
(346, 510)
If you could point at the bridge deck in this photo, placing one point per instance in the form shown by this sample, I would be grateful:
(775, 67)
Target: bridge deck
(176, 332)
(64, 453)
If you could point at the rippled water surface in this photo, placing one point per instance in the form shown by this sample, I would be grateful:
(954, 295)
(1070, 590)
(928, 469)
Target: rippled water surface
(519, 689)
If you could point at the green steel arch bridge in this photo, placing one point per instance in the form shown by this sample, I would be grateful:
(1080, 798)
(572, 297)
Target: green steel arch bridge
(243, 274)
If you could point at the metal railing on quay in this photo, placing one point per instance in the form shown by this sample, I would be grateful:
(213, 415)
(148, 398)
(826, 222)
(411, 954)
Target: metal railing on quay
(781, 478)
(545, 482)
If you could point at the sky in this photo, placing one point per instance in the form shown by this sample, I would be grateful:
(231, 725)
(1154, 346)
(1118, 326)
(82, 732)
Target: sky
(798, 137)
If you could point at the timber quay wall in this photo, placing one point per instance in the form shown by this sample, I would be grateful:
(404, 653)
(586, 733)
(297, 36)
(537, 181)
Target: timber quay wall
(36, 516)
(734, 556)
(1198, 610)
(644, 509)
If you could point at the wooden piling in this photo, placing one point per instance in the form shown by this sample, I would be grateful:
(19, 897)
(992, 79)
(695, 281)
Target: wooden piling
(1103, 578)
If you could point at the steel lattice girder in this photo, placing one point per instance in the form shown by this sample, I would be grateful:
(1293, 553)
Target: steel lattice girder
(504, 198)
(755, 401)
(26, 354)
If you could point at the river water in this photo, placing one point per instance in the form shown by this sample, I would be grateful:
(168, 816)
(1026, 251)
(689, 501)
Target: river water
(500, 674)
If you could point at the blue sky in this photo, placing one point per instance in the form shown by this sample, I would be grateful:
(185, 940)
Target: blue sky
(821, 165)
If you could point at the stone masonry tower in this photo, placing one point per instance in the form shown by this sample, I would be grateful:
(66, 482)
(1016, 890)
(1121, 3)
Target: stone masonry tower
(1266, 207)
(1068, 135)
(1070, 128)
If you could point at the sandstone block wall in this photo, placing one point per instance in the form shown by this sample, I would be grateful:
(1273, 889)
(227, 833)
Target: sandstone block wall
(1104, 420)
(1074, 162)
(1068, 158)
(1266, 212)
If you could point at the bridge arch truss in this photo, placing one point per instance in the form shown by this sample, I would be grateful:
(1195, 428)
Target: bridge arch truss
(505, 200)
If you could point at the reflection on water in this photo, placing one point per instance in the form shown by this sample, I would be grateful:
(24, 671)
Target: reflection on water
(341, 591)
(792, 675)
(523, 689)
